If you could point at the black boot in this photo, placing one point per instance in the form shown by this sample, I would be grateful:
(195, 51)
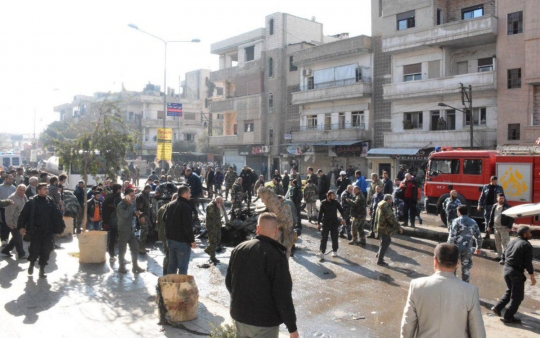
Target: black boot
(122, 269)
(31, 269)
(42, 272)
(137, 269)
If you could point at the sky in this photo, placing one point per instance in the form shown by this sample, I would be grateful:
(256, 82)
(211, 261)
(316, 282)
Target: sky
(52, 50)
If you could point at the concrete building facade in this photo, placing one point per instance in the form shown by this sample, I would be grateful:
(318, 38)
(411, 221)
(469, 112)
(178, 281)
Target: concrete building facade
(518, 79)
(423, 52)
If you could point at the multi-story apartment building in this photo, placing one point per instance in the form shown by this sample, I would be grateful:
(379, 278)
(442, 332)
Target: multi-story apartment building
(334, 100)
(423, 52)
(254, 85)
(518, 79)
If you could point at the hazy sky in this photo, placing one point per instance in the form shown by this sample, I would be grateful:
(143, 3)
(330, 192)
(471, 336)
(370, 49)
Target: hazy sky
(54, 49)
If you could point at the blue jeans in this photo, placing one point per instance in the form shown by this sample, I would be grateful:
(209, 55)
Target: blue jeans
(94, 225)
(179, 254)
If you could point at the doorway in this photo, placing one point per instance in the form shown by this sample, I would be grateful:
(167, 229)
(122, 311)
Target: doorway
(385, 167)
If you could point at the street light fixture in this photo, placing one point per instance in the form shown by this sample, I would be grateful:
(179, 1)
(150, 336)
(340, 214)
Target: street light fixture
(466, 111)
(165, 42)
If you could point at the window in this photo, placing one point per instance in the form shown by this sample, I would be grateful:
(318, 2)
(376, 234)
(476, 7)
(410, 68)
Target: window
(271, 136)
(146, 134)
(451, 120)
(437, 167)
(235, 129)
(250, 53)
(435, 118)
(485, 65)
(380, 8)
(479, 117)
(270, 103)
(292, 68)
(341, 120)
(515, 23)
(412, 120)
(327, 121)
(514, 78)
(219, 116)
(270, 67)
(189, 116)
(513, 132)
(130, 115)
(249, 126)
(311, 122)
(412, 72)
(160, 115)
(15, 161)
(271, 27)
(219, 91)
(358, 119)
(440, 20)
(310, 83)
(358, 74)
(189, 137)
(472, 12)
(405, 20)
(472, 167)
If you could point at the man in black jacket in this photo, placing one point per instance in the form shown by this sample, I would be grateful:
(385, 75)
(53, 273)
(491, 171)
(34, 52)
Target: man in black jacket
(500, 225)
(323, 184)
(209, 180)
(179, 232)
(110, 221)
(38, 218)
(387, 184)
(296, 196)
(246, 176)
(517, 258)
(260, 284)
(329, 209)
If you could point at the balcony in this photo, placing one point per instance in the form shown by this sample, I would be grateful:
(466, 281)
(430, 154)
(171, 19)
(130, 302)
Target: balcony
(247, 68)
(335, 90)
(227, 140)
(333, 133)
(232, 43)
(158, 123)
(483, 138)
(333, 50)
(246, 107)
(411, 89)
(461, 33)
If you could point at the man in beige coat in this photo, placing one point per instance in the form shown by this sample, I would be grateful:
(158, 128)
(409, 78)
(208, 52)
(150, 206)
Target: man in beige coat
(442, 305)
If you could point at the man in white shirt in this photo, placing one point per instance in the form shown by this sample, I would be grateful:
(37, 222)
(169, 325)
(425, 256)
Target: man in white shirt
(442, 305)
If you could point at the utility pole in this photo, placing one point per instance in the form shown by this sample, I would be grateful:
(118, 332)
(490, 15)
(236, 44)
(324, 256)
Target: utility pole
(466, 97)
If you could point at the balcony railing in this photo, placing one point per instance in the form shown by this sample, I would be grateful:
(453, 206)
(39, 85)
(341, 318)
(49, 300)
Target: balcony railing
(336, 83)
(346, 125)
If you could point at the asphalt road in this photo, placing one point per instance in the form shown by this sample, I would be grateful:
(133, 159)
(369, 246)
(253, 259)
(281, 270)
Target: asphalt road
(351, 296)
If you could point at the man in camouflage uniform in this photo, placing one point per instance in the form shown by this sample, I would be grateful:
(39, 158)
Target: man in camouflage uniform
(230, 179)
(346, 197)
(310, 197)
(375, 199)
(277, 188)
(464, 230)
(143, 206)
(386, 225)
(213, 227)
(358, 214)
(237, 194)
(161, 232)
(312, 177)
(488, 197)
(450, 206)
(296, 176)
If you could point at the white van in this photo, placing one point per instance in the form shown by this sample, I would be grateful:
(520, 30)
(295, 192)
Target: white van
(10, 159)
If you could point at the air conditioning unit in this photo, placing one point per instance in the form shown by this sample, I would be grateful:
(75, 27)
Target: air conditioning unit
(265, 149)
(306, 72)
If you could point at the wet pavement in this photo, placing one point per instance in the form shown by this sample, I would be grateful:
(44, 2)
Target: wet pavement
(347, 296)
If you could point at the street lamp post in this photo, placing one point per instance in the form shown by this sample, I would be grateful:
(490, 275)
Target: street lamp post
(467, 111)
(165, 42)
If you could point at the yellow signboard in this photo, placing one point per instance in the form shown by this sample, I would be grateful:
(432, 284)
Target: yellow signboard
(164, 144)
(516, 180)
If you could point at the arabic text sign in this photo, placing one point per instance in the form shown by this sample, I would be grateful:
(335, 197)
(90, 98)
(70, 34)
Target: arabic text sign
(164, 144)
(516, 180)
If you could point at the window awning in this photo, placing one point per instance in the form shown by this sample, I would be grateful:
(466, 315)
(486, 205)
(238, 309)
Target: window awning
(375, 152)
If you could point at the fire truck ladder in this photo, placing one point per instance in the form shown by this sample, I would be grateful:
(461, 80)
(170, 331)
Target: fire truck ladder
(519, 150)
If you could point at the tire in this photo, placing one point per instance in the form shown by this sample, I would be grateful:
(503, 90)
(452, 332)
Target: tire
(443, 217)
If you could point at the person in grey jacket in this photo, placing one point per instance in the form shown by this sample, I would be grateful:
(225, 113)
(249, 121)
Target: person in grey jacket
(13, 211)
(125, 214)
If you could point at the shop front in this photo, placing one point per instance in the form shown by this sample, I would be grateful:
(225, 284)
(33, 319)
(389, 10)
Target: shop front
(413, 160)
(254, 157)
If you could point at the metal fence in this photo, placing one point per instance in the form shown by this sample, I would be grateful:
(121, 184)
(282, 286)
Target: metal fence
(336, 83)
(341, 126)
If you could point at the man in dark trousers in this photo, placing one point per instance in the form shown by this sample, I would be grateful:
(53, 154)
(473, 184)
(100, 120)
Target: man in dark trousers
(285, 182)
(517, 258)
(260, 284)
(500, 226)
(410, 197)
(329, 209)
(296, 197)
(210, 181)
(488, 197)
(110, 220)
(388, 185)
(38, 217)
(323, 184)
(247, 181)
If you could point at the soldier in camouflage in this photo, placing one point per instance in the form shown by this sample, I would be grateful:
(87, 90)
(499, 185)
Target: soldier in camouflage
(310, 197)
(237, 194)
(488, 197)
(450, 206)
(143, 206)
(296, 176)
(386, 225)
(312, 177)
(278, 188)
(346, 198)
(358, 214)
(375, 199)
(213, 227)
(161, 232)
(230, 179)
(464, 230)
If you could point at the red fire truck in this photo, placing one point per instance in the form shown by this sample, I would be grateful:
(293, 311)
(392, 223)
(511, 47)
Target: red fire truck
(466, 171)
